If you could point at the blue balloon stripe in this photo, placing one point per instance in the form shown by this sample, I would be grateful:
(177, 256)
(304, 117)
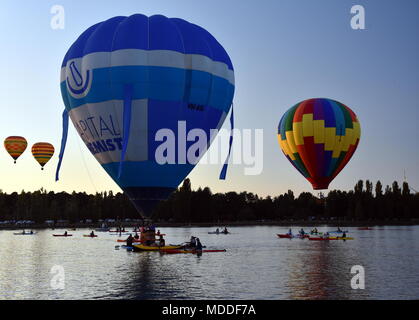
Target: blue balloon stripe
(63, 144)
(159, 83)
(143, 174)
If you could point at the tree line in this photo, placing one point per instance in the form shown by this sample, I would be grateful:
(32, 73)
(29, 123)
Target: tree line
(365, 202)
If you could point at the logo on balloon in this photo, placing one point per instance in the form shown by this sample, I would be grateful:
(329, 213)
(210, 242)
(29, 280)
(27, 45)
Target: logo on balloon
(78, 85)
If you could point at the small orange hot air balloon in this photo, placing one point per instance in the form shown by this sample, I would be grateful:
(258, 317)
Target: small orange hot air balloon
(42, 152)
(15, 146)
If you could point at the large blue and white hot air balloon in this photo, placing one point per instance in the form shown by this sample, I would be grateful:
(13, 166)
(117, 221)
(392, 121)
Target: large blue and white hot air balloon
(126, 78)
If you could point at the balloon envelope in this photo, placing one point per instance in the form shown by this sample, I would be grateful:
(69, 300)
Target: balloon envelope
(126, 78)
(319, 137)
(15, 146)
(42, 152)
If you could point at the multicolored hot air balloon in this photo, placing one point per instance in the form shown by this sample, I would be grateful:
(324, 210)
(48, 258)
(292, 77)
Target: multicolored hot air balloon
(319, 137)
(15, 146)
(126, 78)
(42, 152)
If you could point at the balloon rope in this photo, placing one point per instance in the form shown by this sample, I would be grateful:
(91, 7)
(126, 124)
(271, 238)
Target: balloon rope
(128, 89)
(224, 170)
(63, 143)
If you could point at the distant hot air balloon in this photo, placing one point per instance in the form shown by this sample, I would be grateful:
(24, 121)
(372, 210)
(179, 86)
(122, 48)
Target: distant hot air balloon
(42, 152)
(319, 137)
(126, 78)
(15, 146)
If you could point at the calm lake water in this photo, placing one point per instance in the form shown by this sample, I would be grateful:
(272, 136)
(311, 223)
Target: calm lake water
(257, 265)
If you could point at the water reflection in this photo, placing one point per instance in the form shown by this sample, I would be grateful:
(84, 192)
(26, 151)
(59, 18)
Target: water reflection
(257, 265)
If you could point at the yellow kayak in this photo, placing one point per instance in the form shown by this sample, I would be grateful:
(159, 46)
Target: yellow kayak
(141, 247)
(330, 238)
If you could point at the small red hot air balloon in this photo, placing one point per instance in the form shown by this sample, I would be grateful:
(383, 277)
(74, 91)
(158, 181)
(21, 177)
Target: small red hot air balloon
(15, 146)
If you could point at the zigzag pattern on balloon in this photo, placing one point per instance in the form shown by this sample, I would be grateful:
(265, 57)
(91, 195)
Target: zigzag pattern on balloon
(319, 136)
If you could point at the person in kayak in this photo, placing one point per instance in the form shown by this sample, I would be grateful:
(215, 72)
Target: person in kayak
(92, 234)
(130, 240)
(65, 234)
(217, 231)
(339, 230)
(31, 232)
(302, 232)
(198, 245)
(192, 242)
(290, 232)
(225, 231)
(136, 236)
(344, 235)
(162, 242)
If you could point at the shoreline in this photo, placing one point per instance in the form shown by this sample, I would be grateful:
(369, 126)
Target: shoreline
(162, 224)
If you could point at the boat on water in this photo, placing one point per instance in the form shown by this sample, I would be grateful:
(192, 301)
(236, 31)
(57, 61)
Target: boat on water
(291, 236)
(142, 247)
(220, 232)
(329, 238)
(192, 251)
(24, 233)
(62, 235)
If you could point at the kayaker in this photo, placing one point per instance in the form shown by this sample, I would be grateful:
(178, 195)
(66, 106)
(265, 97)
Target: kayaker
(302, 232)
(162, 243)
(192, 243)
(158, 232)
(290, 232)
(92, 234)
(31, 232)
(198, 245)
(136, 236)
(217, 231)
(225, 230)
(344, 235)
(130, 240)
(65, 234)
(339, 230)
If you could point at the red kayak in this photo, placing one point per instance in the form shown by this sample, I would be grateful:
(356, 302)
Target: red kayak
(285, 236)
(365, 228)
(62, 235)
(193, 251)
(290, 236)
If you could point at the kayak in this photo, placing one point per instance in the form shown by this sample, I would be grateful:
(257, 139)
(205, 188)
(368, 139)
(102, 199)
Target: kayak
(337, 231)
(128, 248)
(193, 251)
(215, 232)
(62, 235)
(102, 229)
(122, 240)
(24, 234)
(365, 228)
(142, 247)
(331, 238)
(290, 236)
(89, 236)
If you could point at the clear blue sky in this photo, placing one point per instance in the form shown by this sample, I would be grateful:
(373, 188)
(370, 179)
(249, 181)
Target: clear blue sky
(283, 51)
